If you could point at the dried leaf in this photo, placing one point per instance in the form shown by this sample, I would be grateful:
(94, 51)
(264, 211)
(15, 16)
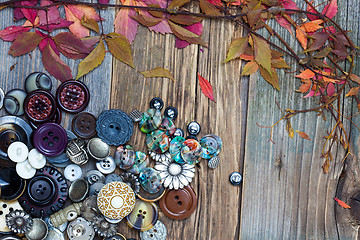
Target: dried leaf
(158, 72)
(76, 28)
(13, 66)
(120, 48)
(147, 21)
(303, 135)
(196, 28)
(90, 23)
(12, 32)
(253, 16)
(289, 129)
(342, 203)
(262, 53)
(306, 74)
(176, 4)
(185, 19)
(272, 79)
(279, 63)
(330, 9)
(320, 39)
(353, 91)
(93, 60)
(54, 65)
(355, 78)
(250, 68)
(125, 24)
(237, 48)
(312, 26)
(301, 37)
(323, 53)
(24, 43)
(156, 14)
(206, 88)
(208, 8)
(51, 17)
(306, 86)
(186, 35)
(71, 46)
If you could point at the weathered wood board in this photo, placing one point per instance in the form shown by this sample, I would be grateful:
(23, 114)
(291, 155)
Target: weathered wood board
(284, 194)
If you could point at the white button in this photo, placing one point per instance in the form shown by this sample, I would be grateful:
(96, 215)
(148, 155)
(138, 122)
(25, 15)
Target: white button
(25, 170)
(36, 159)
(72, 172)
(107, 165)
(18, 152)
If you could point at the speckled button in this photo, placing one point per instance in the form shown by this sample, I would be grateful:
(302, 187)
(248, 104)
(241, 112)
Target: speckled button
(157, 141)
(158, 232)
(211, 145)
(50, 139)
(40, 106)
(14, 102)
(72, 96)
(18, 152)
(114, 127)
(84, 125)
(178, 204)
(37, 80)
(116, 200)
(12, 185)
(168, 126)
(144, 216)
(141, 162)
(150, 121)
(125, 157)
(191, 151)
(72, 172)
(150, 180)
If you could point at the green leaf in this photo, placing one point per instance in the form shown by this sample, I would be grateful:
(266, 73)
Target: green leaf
(176, 4)
(90, 23)
(250, 68)
(120, 48)
(93, 60)
(208, 8)
(24, 43)
(54, 65)
(158, 72)
(185, 19)
(272, 79)
(237, 48)
(186, 35)
(262, 53)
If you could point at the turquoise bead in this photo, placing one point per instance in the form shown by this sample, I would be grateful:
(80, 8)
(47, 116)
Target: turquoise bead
(150, 121)
(191, 151)
(157, 141)
(150, 180)
(141, 162)
(175, 149)
(211, 146)
(125, 157)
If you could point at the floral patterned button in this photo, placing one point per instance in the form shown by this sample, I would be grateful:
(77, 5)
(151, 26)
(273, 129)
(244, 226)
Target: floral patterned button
(191, 151)
(211, 146)
(125, 157)
(157, 141)
(141, 162)
(150, 180)
(116, 200)
(150, 121)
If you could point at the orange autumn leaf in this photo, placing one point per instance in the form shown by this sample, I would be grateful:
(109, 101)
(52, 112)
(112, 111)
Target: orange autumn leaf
(246, 57)
(306, 86)
(301, 37)
(306, 74)
(342, 203)
(303, 135)
(312, 26)
(353, 91)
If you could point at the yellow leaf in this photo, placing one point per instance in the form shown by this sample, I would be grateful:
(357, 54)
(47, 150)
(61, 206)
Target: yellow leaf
(90, 23)
(289, 129)
(237, 48)
(120, 48)
(158, 72)
(250, 68)
(262, 53)
(93, 60)
(186, 35)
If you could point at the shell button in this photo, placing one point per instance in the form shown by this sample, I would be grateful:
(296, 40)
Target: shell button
(84, 125)
(175, 149)
(50, 139)
(157, 141)
(144, 216)
(72, 96)
(191, 151)
(150, 121)
(167, 125)
(37, 80)
(178, 204)
(40, 106)
(150, 180)
(211, 146)
(158, 232)
(14, 102)
(72, 172)
(141, 162)
(125, 157)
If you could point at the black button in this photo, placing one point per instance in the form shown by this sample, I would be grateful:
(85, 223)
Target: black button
(179, 132)
(192, 137)
(171, 112)
(194, 128)
(157, 103)
(41, 189)
(12, 186)
(235, 178)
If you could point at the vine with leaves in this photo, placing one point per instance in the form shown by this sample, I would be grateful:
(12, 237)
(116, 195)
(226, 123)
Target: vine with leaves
(326, 46)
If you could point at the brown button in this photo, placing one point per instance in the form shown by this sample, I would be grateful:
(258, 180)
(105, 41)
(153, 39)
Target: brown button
(72, 96)
(84, 125)
(40, 106)
(151, 197)
(178, 204)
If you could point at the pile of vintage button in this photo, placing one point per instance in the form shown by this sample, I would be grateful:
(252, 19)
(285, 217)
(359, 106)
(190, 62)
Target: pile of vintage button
(44, 191)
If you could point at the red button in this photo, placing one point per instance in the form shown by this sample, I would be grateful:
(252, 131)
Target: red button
(39, 106)
(73, 96)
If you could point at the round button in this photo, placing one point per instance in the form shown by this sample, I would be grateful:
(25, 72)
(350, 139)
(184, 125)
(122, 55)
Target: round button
(98, 149)
(107, 165)
(95, 188)
(150, 180)
(117, 236)
(175, 149)
(36, 159)
(50, 139)
(78, 190)
(116, 200)
(157, 141)
(39, 230)
(158, 232)
(178, 204)
(55, 234)
(18, 152)
(25, 170)
(141, 162)
(167, 125)
(114, 127)
(80, 229)
(151, 197)
(193, 128)
(94, 176)
(171, 112)
(72, 96)
(55, 119)
(235, 178)
(156, 103)
(14, 102)
(45, 193)
(113, 178)
(144, 216)
(214, 162)
(40, 106)
(84, 125)
(150, 120)
(136, 115)
(2, 95)
(6, 207)
(12, 185)
(191, 151)
(211, 145)
(179, 132)
(61, 160)
(72, 172)
(37, 80)
(125, 157)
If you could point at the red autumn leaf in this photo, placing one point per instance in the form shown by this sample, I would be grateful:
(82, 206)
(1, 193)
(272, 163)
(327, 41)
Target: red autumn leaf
(330, 9)
(104, 1)
(196, 28)
(53, 14)
(310, 9)
(51, 27)
(284, 23)
(54, 65)
(303, 135)
(206, 88)
(24, 43)
(215, 2)
(320, 39)
(342, 203)
(29, 13)
(47, 41)
(10, 33)
(162, 27)
(330, 89)
(90, 42)
(71, 46)
(289, 4)
(124, 23)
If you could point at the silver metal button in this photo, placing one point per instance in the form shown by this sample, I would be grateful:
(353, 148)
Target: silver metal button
(98, 149)
(113, 178)
(78, 190)
(39, 230)
(80, 229)
(2, 95)
(72, 172)
(55, 234)
(94, 176)
(95, 188)
(107, 165)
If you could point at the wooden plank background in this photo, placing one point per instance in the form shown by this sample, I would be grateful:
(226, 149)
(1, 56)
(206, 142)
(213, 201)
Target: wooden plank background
(284, 194)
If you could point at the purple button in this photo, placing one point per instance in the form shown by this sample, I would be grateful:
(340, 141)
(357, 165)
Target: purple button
(50, 139)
